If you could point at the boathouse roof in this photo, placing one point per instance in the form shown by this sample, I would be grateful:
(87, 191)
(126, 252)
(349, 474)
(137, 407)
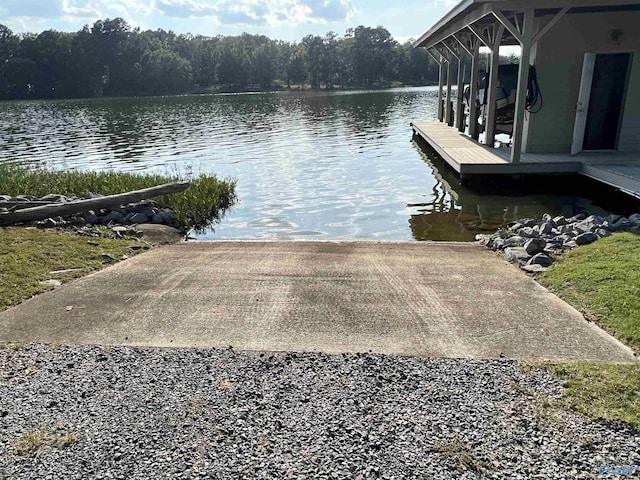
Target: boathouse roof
(476, 15)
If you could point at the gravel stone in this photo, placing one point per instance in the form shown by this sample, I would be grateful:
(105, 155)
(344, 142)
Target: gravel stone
(91, 218)
(136, 217)
(516, 255)
(535, 245)
(112, 217)
(534, 268)
(540, 259)
(586, 238)
(528, 232)
(142, 413)
(559, 221)
(515, 241)
(55, 198)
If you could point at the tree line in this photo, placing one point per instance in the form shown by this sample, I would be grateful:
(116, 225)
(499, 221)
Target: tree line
(110, 58)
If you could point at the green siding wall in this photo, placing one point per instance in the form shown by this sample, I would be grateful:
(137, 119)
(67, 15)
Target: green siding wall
(558, 61)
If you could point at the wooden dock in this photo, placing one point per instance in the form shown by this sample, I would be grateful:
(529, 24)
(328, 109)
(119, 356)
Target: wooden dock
(467, 157)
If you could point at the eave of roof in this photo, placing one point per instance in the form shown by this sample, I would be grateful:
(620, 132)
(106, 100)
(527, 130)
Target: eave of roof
(460, 9)
(467, 7)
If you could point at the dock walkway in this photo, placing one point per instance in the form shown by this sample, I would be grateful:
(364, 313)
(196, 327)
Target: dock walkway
(467, 157)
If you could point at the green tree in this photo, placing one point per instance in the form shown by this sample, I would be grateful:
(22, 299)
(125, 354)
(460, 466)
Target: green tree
(314, 49)
(111, 58)
(8, 46)
(165, 72)
(296, 71)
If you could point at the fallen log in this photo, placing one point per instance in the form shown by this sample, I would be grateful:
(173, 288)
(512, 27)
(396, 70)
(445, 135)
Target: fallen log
(80, 206)
(11, 205)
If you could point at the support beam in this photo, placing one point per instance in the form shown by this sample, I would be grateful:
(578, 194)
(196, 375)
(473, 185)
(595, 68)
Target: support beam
(464, 44)
(508, 25)
(440, 86)
(473, 92)
(481, 35)
(444, 52)
(460, 96)
(452, 50)
(490, 127)
(434, 56)
(449, 85)
(523, 82)
(550, 25)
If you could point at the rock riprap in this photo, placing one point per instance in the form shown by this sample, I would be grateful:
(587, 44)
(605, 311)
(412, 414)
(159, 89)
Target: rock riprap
(533, 244)
(134, 213)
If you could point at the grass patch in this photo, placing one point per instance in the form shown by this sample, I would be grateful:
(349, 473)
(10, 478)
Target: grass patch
(461, 453)
(11, 346)
(603, 281)
(197, 207)
(30, 443)
(28, 256)
(601, 391)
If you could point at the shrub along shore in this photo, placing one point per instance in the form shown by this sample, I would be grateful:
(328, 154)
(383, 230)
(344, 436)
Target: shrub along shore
(201, 205)
(35, 260)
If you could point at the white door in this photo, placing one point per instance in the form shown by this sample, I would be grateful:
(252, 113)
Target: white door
(582, 107)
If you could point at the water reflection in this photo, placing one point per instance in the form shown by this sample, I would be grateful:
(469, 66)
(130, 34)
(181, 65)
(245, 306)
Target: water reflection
(457, 212)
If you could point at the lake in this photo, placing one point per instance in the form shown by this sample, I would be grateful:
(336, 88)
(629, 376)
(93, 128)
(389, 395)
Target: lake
(309, 165)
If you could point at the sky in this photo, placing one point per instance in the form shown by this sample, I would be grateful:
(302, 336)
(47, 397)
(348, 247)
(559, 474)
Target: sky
(278, 19)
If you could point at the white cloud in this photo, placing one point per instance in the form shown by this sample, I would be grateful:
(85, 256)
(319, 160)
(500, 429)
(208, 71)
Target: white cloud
(275, 17)
(79, 9)
(259, 12)
(329, 10)
(447, 3)
(185, 8)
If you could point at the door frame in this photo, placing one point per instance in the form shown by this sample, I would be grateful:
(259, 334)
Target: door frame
(584, 97)
(582, 107)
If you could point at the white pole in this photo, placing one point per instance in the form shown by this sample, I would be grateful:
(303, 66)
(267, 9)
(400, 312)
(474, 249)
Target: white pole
(490, 129)
(440, 86)
(473, 92)
(523, 82)
(459, 104)
(449, 85)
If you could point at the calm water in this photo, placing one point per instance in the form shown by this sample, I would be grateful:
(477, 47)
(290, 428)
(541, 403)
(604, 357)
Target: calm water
(308, 165)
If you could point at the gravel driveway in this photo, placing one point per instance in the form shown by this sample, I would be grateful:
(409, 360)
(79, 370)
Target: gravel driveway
(139, 413)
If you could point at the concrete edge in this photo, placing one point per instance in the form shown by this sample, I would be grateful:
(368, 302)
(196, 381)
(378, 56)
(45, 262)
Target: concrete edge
(540, 360)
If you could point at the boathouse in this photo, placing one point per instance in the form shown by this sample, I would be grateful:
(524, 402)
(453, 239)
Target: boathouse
(575, 102)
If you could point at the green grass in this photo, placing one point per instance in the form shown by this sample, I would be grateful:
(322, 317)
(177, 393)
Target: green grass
(197, 207)
(603, 281)
(602, 391)
(29, 255)
(31, 442)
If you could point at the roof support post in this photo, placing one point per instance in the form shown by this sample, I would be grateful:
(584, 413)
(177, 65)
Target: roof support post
(523, 83)
(473, 91)
(439, 59)
(460, 96)
(440, 87)
(448, 110)
(490, 121)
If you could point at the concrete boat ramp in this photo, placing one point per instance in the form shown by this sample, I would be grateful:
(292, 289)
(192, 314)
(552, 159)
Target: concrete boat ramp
(426, 299)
